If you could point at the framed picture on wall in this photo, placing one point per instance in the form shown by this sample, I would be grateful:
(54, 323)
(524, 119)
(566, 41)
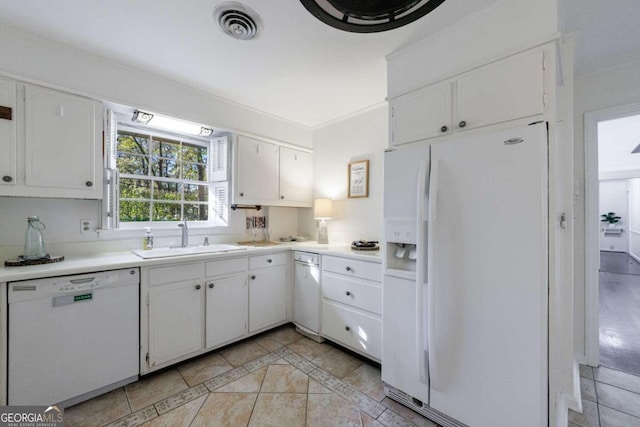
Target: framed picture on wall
(359, 179)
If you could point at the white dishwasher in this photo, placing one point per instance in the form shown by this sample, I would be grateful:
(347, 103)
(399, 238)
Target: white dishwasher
(72, 337)
(306, 294)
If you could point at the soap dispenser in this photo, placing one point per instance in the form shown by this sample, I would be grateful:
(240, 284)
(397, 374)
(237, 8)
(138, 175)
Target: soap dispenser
(147, 242)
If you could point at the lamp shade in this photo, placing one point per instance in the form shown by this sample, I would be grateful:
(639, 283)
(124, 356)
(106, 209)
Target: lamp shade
(322, 208)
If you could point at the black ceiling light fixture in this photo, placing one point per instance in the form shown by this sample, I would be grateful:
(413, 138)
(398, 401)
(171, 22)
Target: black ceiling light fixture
(369, 16)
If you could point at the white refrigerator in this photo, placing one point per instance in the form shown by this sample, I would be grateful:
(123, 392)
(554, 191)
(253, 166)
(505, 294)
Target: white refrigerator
(465, 285)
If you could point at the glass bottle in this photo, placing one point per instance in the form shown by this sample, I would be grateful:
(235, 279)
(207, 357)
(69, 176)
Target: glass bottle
(33, 242)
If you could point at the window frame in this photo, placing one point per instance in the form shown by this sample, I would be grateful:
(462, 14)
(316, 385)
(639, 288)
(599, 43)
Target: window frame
(116, 123)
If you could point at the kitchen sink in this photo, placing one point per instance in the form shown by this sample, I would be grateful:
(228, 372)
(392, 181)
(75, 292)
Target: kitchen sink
(189, 250)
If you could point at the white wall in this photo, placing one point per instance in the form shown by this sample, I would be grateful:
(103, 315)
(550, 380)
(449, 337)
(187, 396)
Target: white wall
(360, 137)
(614, 198)
(593, 92)
(33, 58)
(634, 218)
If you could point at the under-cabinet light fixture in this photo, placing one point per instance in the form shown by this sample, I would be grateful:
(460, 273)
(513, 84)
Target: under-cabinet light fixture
(171, 124)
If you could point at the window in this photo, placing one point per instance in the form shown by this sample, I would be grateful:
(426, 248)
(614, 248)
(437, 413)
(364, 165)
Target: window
(156, 177)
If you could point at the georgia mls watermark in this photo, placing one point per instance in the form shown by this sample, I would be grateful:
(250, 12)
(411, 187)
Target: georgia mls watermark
(31, 416)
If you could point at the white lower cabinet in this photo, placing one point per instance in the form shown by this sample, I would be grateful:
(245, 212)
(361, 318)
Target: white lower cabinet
(227, 310)
(269, 290)
(356, 329)
(193, 307)
(176, 312)
(352, 304)
(176, 321)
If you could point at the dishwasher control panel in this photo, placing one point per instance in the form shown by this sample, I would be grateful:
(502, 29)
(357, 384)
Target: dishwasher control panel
(306, 257)
(61, 285)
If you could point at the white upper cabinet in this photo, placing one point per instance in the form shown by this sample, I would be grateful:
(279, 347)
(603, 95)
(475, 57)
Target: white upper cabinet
(7, 132)
(272, 175)
(256, 171)
(505, 90)
(52, 145)
(60, 143)
(296, 178)
(422, 114)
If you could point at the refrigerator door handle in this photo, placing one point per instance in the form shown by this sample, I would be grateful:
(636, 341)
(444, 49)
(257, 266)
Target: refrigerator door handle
(420, 270)
(431, 306)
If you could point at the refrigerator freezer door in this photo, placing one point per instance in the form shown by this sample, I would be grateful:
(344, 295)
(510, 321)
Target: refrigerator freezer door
(401, 169)
(406, 172)
(487, 278)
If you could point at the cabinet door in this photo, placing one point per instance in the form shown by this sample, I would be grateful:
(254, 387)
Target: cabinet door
(61, 142)
(503, 91)
(8, 134)
(358, 330)
(268, 297)
(257, 171)
(176, 321)
(227, 309)
(296, 177)
(422, 114)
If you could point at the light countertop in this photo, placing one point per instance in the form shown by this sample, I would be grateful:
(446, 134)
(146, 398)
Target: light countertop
(127, 259)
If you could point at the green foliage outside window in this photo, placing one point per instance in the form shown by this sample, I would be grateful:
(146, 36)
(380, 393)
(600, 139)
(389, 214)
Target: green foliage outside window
(161, 179)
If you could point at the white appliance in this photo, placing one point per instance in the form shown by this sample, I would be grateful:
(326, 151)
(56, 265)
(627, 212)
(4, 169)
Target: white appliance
(72, 337)
(306, 294)
(465, 278)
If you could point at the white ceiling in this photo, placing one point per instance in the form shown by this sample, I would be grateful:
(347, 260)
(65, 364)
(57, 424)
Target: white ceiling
(299, 69)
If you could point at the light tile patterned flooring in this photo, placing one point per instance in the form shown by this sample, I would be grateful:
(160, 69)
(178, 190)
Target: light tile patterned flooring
(610, 398)
(278, 378)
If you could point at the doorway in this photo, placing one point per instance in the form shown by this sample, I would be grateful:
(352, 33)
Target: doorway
(612, 261)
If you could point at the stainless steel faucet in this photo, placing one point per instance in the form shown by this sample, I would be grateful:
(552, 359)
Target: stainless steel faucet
(185, 234)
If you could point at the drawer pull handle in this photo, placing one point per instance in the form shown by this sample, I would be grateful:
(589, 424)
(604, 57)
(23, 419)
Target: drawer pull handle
(198, 287)
(7, 178)
(347, 328)
(444, 129)
(253, 277)
(269, 260)
(462, 124)
(89, 184)
(348, 293)
(210, 285)
(348, 268)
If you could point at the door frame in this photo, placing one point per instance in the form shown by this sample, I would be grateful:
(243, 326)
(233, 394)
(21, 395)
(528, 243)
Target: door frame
(591, 223)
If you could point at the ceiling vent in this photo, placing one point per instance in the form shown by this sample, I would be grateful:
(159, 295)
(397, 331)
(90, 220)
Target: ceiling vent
(238, 20)
(369, 16)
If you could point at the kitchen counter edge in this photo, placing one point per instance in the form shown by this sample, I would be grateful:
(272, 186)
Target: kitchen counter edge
(127, 259)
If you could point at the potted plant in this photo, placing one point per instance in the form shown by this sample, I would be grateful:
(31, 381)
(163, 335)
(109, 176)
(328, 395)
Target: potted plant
(610, 218)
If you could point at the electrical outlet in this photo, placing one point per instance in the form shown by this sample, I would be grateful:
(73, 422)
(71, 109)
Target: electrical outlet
(86, 225)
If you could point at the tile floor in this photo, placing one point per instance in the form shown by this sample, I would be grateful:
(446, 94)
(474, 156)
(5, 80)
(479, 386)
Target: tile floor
(278, 378)
(610, 398)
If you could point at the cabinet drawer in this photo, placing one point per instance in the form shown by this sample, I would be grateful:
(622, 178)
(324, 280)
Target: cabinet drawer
(268, 260)
(352, 267)
(225, 266)
(175, 273)
(354, 292)
(359, 331)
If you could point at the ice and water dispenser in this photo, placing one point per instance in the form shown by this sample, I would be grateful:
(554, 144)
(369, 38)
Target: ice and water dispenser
(402, 249)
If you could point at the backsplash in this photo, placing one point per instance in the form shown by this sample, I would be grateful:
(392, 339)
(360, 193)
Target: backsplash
(63, 234)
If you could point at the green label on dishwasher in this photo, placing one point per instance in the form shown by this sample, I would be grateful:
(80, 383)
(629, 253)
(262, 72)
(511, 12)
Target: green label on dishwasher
(82, 297)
